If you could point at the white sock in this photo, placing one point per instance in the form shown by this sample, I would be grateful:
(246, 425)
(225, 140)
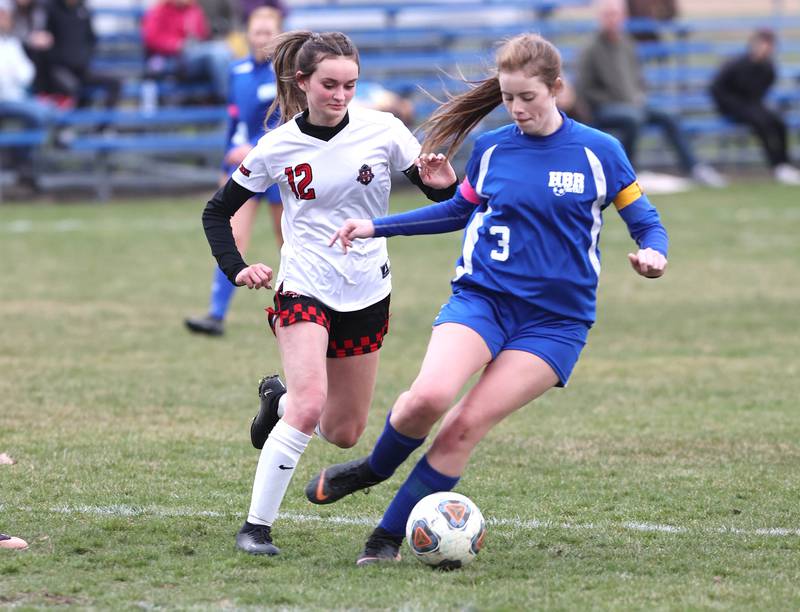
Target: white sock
(276, 466)
(320, 435)
(282, 405)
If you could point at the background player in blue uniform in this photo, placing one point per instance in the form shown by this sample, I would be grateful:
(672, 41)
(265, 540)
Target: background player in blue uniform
(252, 90)
(525, 287)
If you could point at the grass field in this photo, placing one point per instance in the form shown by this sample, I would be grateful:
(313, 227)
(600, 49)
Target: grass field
(665, 477)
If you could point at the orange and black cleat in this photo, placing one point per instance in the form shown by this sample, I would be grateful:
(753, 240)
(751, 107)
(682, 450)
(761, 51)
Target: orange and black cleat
(337, 481)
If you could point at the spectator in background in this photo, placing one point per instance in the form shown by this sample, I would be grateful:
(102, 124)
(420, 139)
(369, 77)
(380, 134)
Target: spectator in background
(16, 102)
(30, 22)
(65, 68)
(653, 11)
(252, 90)
(177, 38)
(221, 17)
(739, 89)
(611, 82)
(16, 69)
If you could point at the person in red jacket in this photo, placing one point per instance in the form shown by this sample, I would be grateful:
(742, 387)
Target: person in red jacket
(177, 36)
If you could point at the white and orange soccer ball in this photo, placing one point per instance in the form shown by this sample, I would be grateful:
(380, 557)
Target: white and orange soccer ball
(445, 530)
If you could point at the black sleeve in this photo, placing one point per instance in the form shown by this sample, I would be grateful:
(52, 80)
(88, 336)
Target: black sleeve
(217, 224)
(435, 195)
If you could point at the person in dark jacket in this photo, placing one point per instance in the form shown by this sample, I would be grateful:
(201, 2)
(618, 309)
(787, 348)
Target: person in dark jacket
(739, 90)
(611, 81)
(66, 65)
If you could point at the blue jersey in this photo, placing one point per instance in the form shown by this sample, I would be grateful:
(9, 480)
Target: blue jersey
(252, 90)
(534, 209)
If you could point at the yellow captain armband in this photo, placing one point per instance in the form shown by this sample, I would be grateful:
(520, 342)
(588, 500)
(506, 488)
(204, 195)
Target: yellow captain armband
(629, 195)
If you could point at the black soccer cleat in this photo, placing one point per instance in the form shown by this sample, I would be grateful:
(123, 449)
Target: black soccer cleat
(256, 540)
(211, 326)
(270, 390)
(381, 547)
(336, 481)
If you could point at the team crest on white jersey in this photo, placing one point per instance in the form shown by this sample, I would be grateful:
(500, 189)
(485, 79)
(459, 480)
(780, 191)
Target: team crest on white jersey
(566, 182)
(365, 175)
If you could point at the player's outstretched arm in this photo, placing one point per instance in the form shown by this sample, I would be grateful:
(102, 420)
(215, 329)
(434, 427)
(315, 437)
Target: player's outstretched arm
(648, 262)
(352, 229)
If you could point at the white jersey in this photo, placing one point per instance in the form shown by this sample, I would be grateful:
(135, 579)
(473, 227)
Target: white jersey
(322, 184)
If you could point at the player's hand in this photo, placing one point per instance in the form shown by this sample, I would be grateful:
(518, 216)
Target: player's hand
(352, 229)
(255, 277)
(435, 170)
(236, 155)
(41, 40)
(648, 262)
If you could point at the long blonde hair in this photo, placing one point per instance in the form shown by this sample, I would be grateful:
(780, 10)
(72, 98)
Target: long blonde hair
(302, 51)
(450, 124)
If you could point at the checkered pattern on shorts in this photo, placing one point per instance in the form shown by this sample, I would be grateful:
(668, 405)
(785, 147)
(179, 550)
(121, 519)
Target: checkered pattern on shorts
(349, 333)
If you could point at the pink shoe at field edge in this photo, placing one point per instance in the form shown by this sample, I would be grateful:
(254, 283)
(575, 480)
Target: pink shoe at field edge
(11, 542)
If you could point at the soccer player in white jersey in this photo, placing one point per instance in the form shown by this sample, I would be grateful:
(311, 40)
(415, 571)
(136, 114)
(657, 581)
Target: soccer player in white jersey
(331, 310)
(524, 292)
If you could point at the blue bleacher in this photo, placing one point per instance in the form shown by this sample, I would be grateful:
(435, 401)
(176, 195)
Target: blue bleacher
(409, 47)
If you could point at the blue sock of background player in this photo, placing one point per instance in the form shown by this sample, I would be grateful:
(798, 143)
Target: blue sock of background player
(221, 294)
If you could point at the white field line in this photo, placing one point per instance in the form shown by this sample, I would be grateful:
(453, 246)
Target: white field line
(510, 523)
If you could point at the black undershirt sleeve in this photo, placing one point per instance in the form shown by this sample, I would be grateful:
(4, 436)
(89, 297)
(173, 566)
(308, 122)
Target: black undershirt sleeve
(217, 224)
(435, 195)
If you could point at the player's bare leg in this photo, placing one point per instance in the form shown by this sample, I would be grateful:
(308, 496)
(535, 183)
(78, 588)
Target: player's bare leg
(351, 384)
(455, 352)
(512, 380)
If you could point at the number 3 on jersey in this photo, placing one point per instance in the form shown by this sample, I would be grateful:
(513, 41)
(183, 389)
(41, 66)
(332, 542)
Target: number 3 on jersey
(300, 187)
(504, 234)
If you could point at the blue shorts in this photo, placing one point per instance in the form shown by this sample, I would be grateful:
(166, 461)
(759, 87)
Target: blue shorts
(506, 322)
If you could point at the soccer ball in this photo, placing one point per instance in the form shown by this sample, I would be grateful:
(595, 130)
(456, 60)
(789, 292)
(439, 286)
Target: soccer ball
(445, 530)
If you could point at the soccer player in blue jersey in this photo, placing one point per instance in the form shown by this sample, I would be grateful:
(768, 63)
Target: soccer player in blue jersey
(251, 92)
(524, 292)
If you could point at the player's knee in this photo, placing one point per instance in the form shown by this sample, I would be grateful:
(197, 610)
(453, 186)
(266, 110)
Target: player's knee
(426, 402)
(343, 435)
(306, 405)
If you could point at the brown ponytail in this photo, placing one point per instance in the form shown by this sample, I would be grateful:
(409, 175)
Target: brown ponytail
(301, 51)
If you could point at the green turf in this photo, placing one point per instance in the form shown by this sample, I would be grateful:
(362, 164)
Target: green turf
(134, 467)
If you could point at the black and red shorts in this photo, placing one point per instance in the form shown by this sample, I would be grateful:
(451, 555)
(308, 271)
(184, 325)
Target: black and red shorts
(349, 333)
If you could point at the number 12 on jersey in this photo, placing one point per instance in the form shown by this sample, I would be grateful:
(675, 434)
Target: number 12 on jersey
(300, 187)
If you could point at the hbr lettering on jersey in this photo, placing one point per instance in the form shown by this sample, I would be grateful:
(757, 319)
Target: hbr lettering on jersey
(566, 182)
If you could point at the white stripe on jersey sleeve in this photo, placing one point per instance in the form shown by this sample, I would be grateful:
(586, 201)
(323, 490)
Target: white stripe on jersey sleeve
(600, 185)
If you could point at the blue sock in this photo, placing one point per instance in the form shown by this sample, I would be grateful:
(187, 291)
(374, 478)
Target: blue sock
(391, 449)
(421, 482)
(221, 293)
